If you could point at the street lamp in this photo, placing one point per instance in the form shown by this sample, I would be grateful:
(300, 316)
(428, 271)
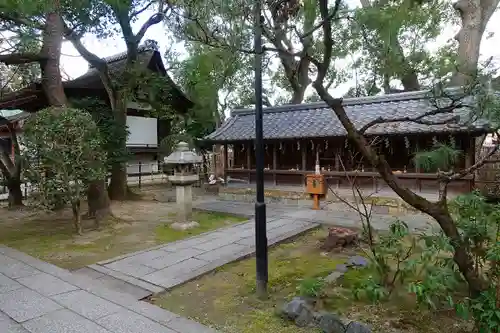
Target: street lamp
(260, 205)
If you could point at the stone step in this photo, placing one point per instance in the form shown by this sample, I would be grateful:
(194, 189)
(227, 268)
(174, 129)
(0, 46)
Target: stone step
(113, 283)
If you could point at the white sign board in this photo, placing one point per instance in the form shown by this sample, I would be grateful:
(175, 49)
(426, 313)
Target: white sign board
(143, 132)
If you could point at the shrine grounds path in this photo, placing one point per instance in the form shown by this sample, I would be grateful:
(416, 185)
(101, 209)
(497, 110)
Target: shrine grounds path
(38, 297)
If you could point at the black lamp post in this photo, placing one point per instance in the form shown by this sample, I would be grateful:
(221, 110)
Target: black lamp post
(260, 205)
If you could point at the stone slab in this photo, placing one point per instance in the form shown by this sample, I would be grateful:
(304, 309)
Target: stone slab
(221, 252)
(25, 304)
(218, 242)
(148, 287)
(170, 259)
(126, 321)
(7, 284)
(122, 286)
(7, 325)
(46, 284)
(152, 312)
(88, 272)
(63, 321)
(86, 304)
(165, 277)
(15, 269)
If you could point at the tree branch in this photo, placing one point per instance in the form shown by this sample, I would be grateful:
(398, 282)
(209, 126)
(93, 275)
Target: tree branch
(419, 119)
(21, 58)
(154, 19)
(100, 64)
(467, 171)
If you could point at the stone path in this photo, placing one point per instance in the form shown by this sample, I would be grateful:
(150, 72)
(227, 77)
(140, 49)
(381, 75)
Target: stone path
(336, 215)
(164, 267)
(37, 297)
(167, 266)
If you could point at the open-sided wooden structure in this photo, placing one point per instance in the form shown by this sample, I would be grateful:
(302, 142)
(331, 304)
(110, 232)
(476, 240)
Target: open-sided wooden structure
(296, 134)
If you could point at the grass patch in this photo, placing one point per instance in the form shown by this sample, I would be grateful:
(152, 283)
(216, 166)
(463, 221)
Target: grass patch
(208, 221)
(52, 237)
(226, 298)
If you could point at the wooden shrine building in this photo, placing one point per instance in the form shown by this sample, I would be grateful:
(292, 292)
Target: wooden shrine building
(89, 85)
(295, 135)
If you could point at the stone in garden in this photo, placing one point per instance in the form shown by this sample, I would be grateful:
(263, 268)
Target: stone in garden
(334, 276)
(341, 268)
(339, 238)
(293, 309)
(357, 261)
(305, 317)
(184, 225)
(355, 327)
(330, 323)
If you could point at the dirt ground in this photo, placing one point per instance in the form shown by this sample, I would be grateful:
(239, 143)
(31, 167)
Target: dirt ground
(136, 225)
(226, 301)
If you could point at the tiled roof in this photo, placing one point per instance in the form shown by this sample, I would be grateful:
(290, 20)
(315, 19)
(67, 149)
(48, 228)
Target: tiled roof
(314, 120)
(12, 116)
(116, 66)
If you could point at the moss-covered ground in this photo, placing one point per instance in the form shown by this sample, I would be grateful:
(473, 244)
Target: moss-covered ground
(136, 225)
(225, 299)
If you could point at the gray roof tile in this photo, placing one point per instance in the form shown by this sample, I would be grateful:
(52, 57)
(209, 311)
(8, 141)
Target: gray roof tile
(317, 120)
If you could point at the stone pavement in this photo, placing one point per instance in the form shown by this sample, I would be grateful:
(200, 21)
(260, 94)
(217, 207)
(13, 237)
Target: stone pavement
(167, 266)
(37, 297)
(337, 215)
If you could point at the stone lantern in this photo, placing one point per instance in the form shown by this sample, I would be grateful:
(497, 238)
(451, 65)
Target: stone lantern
(183, 162)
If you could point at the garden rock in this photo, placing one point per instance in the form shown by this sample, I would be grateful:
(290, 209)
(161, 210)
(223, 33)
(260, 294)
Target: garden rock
(341, 268)
(339, 238)
(293, 309)
(334, 276)
(330, 323)
(355, 327)
(305, 318)
(357, 261)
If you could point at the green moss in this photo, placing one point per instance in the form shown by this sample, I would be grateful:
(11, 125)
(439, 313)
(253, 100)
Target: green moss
(208, 221)
(227, 299)
(55, 241)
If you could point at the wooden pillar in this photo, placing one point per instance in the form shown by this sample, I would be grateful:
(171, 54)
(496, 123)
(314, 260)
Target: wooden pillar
(225, 163)
(470, 159)
(417, 169)
(303, 151)
(275, 163)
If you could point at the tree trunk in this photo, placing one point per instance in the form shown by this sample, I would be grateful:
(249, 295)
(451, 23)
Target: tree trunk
(474, 15)
(98, 201)
(51, 50)
(118, 185)
(436, 210)
(15, 193)
(77, 219)
(298, 94)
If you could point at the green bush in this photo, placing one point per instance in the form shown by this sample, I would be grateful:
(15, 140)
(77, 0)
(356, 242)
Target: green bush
(63, 154)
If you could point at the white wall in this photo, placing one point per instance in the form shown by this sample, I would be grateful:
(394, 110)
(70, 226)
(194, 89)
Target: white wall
(143, 131)
(147, 165)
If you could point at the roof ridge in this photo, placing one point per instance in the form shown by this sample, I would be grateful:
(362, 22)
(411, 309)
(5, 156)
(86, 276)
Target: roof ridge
(123, 55)
(395, 97)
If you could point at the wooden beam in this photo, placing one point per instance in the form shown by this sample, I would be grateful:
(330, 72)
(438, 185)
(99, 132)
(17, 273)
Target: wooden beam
(303, 151)
(225, 166)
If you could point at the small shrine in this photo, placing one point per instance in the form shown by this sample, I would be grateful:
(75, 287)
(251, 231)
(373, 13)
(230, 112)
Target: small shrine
(183, 160)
